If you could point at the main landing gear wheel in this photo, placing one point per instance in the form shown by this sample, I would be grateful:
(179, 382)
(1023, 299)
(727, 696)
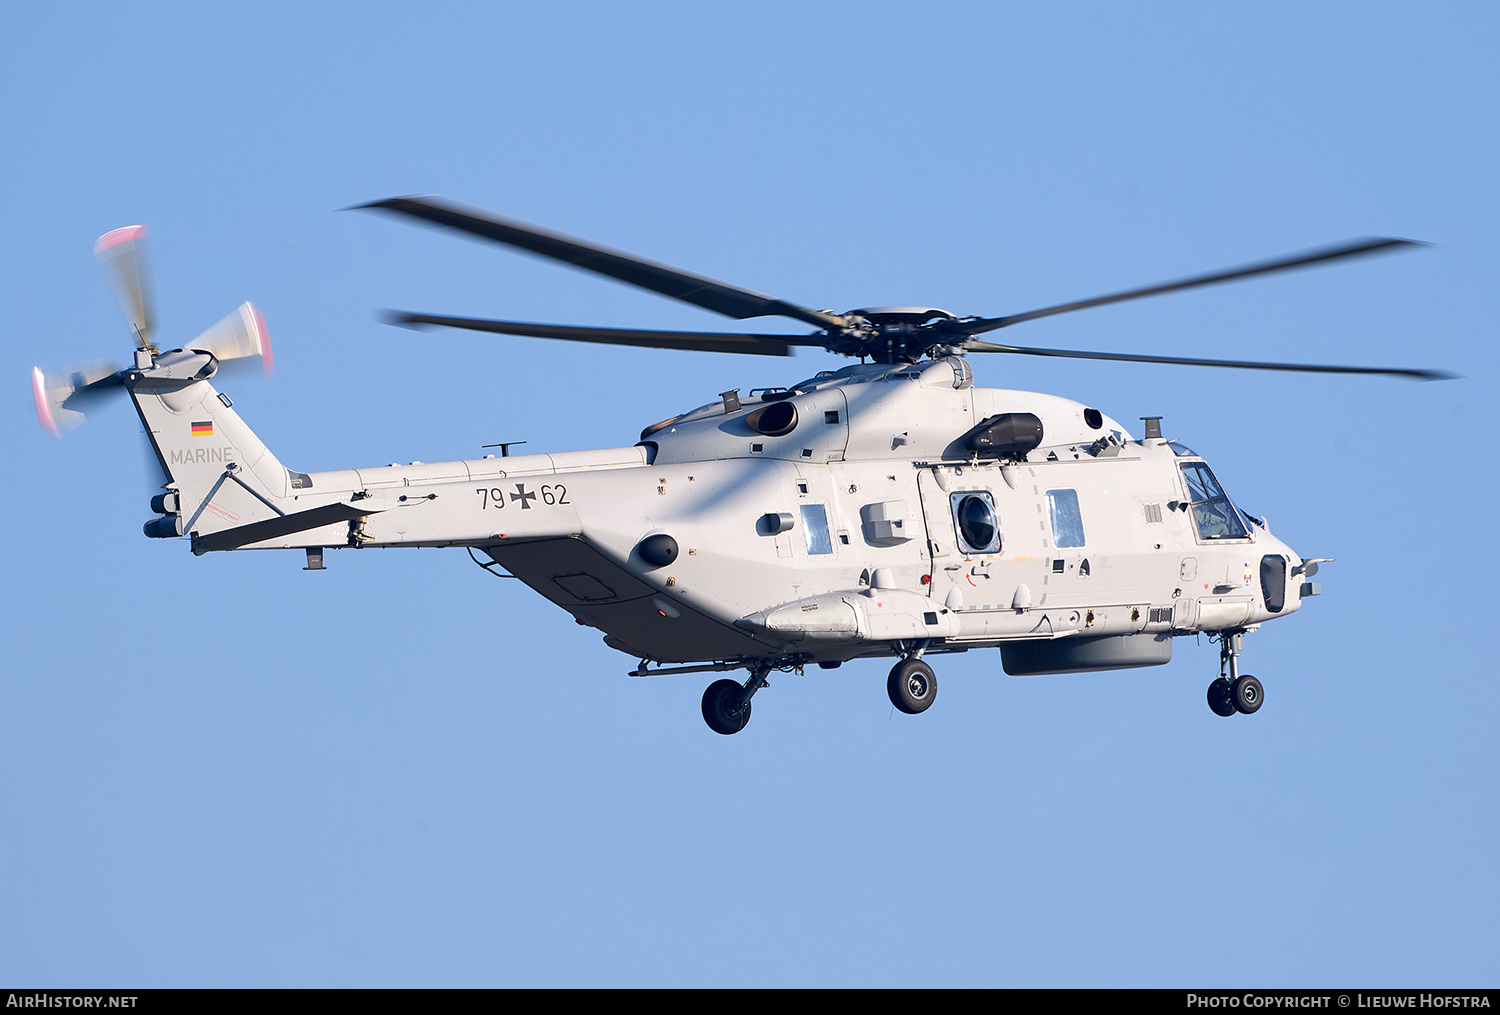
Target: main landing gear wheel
(1220, 698)
(724, 707)
(1247, 694)
(912, 686)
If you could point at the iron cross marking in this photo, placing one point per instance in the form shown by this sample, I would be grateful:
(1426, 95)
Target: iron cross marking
(522, 496)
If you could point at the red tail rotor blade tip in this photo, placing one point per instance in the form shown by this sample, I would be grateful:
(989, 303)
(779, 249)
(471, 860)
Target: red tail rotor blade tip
(39, 396)
(117, 236)
(262, 341)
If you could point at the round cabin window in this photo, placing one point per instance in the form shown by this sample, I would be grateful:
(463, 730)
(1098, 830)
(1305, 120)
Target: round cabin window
(978, 529)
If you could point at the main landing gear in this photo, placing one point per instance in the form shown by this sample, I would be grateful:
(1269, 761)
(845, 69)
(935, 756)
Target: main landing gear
(1234, 692)
(912, 687)
(726, 703)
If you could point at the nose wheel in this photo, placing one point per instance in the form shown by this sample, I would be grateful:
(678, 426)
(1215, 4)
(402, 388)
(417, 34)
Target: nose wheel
(1246, 694)
(1220, 698)
(1234, 692)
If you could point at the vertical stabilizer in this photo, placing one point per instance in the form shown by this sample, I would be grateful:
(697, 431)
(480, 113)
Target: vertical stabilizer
(223, 475)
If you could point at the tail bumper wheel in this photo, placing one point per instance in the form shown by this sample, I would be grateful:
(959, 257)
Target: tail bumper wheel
(912, 686)
(724, 707)
(1221, 697)
(1247, 694)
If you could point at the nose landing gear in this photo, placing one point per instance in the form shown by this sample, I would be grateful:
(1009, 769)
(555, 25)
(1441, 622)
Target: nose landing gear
(1246, 693)
(1235, 692)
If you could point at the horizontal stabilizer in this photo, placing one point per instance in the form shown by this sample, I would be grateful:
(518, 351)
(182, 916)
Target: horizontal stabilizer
(271, 528)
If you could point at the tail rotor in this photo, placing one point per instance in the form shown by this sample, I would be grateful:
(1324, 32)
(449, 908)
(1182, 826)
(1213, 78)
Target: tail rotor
(65, 396)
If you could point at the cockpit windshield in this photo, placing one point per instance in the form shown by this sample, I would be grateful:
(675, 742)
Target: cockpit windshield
(1215, 517)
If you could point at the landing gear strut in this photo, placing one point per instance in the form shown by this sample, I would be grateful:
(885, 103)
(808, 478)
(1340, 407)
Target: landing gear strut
(1234, 692)
(726, 703)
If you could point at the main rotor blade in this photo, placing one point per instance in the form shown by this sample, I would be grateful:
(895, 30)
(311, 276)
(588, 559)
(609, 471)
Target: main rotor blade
(1354, 248)
(703, 341)
(720, 297)
(121, 254)
(975, 345)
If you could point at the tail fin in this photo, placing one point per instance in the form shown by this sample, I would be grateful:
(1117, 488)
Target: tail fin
(222, 474)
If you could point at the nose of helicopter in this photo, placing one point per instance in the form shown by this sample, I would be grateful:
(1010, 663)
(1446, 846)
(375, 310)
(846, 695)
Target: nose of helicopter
(1281, 570)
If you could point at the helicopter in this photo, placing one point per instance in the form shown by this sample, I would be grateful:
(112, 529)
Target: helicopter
(888, 508)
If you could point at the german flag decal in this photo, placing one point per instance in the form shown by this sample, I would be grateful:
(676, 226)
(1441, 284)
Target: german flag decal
(205, 429)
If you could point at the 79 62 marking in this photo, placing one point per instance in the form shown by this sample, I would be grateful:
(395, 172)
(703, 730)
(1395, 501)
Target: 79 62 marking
(551, 494)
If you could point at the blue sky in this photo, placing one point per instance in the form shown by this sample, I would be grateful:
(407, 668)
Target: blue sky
(402, 772)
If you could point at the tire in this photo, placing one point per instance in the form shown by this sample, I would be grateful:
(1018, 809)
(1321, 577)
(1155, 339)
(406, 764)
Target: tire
(1221, 698)
(1247, 694)
(912, 686)
(721, 707)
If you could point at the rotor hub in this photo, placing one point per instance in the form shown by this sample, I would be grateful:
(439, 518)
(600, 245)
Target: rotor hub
(901, 317)
(893, 334)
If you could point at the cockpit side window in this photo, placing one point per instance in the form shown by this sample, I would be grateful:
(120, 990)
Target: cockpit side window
(1214, 515)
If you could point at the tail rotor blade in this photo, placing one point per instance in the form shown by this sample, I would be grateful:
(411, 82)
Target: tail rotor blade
(121, 254)
(64, 397)
(239, 340)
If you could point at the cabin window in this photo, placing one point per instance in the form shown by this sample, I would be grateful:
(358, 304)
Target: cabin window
(1067, 520)
(815, 529)
(1215, 517)
(974, 517)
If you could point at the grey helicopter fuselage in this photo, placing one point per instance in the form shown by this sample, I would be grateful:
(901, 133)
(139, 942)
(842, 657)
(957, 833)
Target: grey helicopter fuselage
(858, 513)
(890, 508)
